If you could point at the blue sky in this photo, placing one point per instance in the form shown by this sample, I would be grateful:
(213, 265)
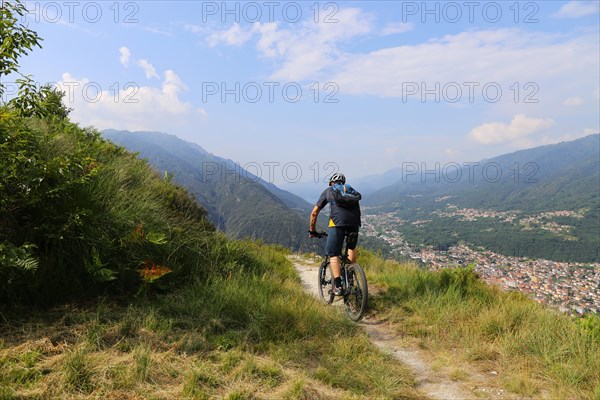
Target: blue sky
(397, 81)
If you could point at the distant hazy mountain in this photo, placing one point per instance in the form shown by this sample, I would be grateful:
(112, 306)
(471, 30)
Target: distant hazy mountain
(309, 191)
(559, 176)
(371, 183)
(529, 186)
(237, 201)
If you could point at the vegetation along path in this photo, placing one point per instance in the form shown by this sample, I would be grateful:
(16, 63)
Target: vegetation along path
(436, 385)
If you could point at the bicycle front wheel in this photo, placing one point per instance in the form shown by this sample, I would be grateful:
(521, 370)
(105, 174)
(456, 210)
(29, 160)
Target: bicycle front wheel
(325, 283)
(357, 293)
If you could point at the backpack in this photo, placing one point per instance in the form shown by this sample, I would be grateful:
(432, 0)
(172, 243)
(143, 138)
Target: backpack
(345, 195)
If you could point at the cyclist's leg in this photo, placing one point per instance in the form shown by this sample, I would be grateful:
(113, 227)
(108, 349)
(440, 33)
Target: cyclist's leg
(352, 256)
(352, 245)
(333, 249)
(336, 266)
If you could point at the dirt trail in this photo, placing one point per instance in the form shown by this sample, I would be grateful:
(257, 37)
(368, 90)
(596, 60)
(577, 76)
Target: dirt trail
(434, 384)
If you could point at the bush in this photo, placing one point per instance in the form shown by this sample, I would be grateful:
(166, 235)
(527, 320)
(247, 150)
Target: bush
(81, 215)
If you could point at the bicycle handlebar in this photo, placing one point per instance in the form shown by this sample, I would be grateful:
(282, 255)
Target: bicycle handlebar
(318, 235)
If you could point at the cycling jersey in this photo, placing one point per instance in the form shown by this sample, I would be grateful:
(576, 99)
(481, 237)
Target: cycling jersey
(339, 216)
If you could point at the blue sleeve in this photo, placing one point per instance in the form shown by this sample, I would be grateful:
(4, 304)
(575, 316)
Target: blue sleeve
(322, 202)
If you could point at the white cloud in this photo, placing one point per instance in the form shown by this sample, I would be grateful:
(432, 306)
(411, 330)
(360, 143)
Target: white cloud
(397, 27)
(234, 36)
(159, 31)
(577, 9)
(573, 101)
(309, 49)
(193, 28)
(131, 107)
(124, 56)
(302, 50)
(272, 42)
(306, 51)
(148, 68)
(503, 56)
(519, 128)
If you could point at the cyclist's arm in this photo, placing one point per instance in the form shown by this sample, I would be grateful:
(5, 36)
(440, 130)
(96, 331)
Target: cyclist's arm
(313, 218)
(322, 202)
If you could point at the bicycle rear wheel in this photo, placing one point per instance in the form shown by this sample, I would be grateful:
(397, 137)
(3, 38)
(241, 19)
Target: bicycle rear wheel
(357, 292)
(325, 283)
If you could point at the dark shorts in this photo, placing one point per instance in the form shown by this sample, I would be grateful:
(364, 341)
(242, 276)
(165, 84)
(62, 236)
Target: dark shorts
(335, 240)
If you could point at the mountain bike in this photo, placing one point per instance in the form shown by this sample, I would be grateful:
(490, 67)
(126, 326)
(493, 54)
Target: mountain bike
(355, 291)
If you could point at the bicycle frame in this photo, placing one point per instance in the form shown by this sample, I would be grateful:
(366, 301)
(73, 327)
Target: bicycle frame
(355, 293)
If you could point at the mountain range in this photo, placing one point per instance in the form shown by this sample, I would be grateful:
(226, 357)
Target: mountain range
(238, 202)
(542, 202)
(559, 176)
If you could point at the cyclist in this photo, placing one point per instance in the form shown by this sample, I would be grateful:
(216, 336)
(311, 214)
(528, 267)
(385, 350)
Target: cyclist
(342, 219)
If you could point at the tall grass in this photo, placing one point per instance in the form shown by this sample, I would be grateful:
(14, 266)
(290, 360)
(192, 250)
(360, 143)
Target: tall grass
(251, 332)
(78, 373)
(535, 348)
(81, 216)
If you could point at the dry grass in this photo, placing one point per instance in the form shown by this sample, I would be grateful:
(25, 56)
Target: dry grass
(243, 337)
(474, 329)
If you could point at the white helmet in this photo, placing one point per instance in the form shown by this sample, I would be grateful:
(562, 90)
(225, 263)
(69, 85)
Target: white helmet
(338, 177)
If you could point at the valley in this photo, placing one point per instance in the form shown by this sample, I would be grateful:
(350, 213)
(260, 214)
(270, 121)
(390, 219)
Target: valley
(568, 286)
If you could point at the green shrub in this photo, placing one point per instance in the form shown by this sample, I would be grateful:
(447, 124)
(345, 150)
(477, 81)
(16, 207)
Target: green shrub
(81, 216)
(591, 324)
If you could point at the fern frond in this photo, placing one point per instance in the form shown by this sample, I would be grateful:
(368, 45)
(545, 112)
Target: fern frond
(29, 263)
(156, 237)
(96, 268)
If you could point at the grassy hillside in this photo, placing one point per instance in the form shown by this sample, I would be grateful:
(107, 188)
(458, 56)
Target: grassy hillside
(519, 345)
(82, 216)
(251, 333)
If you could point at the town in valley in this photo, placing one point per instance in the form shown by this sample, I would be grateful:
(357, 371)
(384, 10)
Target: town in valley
(570, 287)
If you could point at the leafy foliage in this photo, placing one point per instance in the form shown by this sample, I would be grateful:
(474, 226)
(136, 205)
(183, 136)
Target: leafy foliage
(17, 264)
(86, 213)
(97, 269)
(43, 102)
(17, 39)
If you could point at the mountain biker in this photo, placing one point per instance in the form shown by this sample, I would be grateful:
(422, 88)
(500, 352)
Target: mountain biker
(342, 219)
